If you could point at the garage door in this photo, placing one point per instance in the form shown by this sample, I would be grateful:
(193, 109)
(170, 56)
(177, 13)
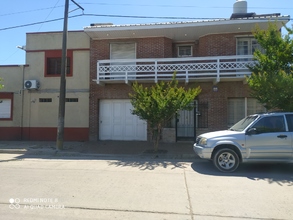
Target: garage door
(117, 122)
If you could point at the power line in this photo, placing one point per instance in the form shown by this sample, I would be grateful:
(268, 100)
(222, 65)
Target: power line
(49, 14)
(139, 5)
(22, 12)
(35, 23)
(171, 6)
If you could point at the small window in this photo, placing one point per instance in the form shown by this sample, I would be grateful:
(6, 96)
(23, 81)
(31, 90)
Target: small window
(71, 99)
(184, 51)
(45, 100)
(54, 66)
(6, 106)
(53, 60)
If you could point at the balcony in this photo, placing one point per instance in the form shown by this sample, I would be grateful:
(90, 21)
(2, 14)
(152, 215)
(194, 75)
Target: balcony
(188, 69)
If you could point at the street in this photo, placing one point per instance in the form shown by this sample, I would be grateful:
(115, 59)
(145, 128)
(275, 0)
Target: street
(91, 188)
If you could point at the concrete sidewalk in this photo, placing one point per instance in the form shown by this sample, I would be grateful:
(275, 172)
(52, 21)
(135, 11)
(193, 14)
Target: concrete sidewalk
(139, 149)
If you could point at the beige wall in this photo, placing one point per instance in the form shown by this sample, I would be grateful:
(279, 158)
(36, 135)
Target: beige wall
(53, 40)
(39, 114)
(42, 114)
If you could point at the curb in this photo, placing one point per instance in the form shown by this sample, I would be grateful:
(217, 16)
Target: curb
(13, 151)
(55, 153)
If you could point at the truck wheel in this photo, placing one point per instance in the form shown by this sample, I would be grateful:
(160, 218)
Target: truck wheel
(226, 160)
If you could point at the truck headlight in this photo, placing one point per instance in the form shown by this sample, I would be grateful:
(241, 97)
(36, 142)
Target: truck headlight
(203, 141)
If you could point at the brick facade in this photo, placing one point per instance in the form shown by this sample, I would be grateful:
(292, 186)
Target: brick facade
(160, 47)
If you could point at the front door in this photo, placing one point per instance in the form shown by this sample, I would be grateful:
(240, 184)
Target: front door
(186, 123)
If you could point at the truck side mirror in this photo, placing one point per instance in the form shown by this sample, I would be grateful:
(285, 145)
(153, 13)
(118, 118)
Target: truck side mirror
(251, 131)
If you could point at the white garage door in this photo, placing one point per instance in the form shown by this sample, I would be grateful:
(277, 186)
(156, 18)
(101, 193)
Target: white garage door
(117, 122)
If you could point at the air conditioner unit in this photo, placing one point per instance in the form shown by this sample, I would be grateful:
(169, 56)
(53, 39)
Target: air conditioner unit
(31, 84)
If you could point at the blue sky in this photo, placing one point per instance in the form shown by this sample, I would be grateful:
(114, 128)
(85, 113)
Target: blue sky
(16, 14)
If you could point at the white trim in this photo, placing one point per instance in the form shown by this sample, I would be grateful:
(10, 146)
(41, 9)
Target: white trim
(185, 45)
(185, 24)
(5, 108)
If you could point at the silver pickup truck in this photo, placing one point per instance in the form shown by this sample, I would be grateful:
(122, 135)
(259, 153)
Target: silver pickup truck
(264, 137)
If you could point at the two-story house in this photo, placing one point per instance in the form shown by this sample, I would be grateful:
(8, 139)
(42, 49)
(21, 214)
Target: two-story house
(103, 60)
(213, 54)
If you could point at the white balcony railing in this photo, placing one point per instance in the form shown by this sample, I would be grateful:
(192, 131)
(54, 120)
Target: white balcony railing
(187, 69)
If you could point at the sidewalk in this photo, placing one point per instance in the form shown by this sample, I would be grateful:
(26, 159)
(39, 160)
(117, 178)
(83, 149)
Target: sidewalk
(114, 149)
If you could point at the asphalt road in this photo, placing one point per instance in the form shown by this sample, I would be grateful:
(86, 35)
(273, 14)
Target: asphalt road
(92, 188)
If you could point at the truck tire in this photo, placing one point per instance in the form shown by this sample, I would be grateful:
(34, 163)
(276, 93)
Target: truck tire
(226, 160)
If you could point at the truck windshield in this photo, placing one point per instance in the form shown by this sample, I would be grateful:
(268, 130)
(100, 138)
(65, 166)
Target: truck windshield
(242, 124)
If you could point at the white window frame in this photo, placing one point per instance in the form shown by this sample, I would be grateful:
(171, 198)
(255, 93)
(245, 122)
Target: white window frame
(252, 45)
(5, 109)
(184, 55)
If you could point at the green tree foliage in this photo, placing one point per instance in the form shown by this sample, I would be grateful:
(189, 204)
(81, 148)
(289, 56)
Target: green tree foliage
(159, 103)
(1, 85)
(271, 81)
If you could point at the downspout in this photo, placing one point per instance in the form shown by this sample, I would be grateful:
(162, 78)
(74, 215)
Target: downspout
(22, 104)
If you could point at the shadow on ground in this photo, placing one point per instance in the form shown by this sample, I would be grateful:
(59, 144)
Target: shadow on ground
(149, 164)
(139, 154)
(273, 173)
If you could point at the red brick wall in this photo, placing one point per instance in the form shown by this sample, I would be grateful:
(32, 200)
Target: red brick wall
(218, 44)
(159, 47)
(218, 101)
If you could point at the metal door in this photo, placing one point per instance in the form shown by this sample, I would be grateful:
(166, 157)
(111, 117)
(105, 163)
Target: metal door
(188, 121)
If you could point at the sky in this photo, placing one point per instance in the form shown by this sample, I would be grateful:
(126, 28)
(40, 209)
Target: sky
(19, 17)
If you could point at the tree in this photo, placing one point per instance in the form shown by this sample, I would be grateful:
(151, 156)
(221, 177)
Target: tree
(271, 81)
(159, 103)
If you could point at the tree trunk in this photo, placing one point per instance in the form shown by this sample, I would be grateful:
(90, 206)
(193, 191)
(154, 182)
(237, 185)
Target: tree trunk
(156, 137)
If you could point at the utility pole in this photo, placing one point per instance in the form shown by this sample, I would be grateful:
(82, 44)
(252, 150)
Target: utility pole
(62, 95)
(61, 112)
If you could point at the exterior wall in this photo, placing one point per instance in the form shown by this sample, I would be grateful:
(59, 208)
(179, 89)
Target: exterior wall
(53, 40)
(38, 120)
(218, 102)
(41, 118)
(12, 80)
(218, 44)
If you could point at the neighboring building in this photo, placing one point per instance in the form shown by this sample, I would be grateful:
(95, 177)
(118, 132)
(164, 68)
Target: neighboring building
(105, 59)
(31, 92)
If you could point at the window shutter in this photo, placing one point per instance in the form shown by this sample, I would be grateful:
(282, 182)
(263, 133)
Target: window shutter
(5, 108)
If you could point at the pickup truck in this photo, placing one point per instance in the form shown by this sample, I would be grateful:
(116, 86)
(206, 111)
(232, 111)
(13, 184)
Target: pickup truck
(263, 137)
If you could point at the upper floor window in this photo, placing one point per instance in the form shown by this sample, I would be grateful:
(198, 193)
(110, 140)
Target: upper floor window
(185, 51)
(247, 46)
(53, 61)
